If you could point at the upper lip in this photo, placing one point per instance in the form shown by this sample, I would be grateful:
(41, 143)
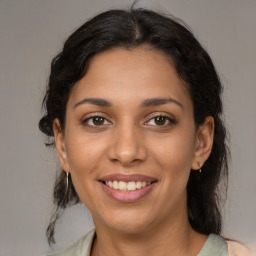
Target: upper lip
(127, 177)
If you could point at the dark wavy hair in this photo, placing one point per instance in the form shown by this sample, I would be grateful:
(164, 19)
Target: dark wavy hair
(128, 29)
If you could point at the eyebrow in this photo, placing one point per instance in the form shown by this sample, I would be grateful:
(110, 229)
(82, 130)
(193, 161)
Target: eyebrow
(152, 102)
(159, 101)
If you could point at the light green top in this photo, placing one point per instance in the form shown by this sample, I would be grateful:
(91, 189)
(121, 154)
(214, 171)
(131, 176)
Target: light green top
(214, 246)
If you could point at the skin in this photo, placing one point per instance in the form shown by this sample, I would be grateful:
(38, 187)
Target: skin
(130, 140)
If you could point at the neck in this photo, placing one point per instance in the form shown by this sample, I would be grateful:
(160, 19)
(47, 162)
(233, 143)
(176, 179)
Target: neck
(167, 239)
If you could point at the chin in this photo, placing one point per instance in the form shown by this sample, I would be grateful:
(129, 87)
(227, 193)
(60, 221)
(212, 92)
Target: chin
(130, 228)
(129, 222)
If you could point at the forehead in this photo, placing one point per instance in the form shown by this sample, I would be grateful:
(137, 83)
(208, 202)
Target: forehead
(122, 75)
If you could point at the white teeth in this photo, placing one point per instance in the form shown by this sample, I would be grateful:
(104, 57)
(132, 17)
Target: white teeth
(115, 184)
(110, 184)
(122, 185)
(138, 184)
(127, 186)
(131, 185)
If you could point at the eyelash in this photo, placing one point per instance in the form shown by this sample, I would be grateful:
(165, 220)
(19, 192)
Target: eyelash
(168, 118)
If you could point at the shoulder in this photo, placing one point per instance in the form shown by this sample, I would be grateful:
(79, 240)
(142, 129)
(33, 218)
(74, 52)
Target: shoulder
(217, 245)
(81, 247)
(237, 249)
(214, 245)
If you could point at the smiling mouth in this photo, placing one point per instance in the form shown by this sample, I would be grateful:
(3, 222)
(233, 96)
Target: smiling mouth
(127, 186)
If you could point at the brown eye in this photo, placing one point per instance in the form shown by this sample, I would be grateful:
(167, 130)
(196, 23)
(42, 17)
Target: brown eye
(94, 121)
(161, 120)
(98, 120)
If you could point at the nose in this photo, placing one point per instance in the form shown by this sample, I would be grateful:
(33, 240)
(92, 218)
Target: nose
(127, 146)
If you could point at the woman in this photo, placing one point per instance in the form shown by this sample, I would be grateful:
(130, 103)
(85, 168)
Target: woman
(134, 106)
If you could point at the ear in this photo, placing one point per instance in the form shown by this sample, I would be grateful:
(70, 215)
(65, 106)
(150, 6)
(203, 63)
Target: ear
(60, 145)
(203, 143)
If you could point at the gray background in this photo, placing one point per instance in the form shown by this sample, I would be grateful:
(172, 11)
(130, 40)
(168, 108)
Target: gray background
(32, 32)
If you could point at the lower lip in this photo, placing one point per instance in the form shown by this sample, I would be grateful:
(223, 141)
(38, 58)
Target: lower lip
(127, 196)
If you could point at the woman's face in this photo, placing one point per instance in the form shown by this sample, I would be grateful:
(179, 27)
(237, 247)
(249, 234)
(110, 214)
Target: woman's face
(130, 140)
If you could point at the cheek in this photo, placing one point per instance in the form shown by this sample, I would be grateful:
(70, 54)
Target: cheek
(82, 152)
(175, 153)
(83, 158)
